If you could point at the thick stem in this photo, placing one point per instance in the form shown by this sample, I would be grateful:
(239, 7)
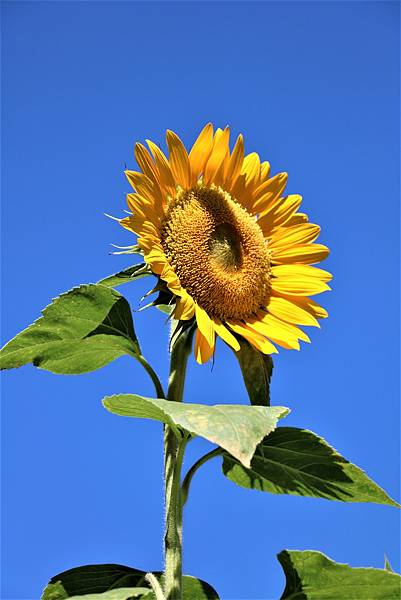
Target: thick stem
(173, 457)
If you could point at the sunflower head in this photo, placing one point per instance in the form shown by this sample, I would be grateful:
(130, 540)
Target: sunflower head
(233, 252)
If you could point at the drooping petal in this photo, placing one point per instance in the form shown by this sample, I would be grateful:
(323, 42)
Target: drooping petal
(185, 308)
(203, 350)
(290, 312)
(225, 335)
(308, 305)
(257, 340)
(205, 324)
(277, 336)
(156, 259)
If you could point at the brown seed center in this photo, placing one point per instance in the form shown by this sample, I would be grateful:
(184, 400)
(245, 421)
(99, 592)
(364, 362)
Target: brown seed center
(218, 252)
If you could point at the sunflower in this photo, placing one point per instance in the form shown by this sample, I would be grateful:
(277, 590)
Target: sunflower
(232, 251)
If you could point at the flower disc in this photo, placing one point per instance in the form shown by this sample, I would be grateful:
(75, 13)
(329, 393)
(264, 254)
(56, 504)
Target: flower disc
(218, 252)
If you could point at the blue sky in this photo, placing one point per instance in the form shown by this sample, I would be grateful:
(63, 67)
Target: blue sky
(314, 88)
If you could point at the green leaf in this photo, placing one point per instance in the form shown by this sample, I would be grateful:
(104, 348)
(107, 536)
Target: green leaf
(311, 575)
(238, 429)
(82, 330)
(297, 461)
(256, 370)
(119, 594)
(97, 582)
(126, 275)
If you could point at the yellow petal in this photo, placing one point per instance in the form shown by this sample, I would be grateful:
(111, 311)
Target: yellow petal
(202, 349)
(225, 335)
(297, 218)
(308, 305)
(164, 169)
(257, 340)
(185, 308)
(290, 328)
(267, 192)
(302, 253)
(251, 169)
(143, 207)
(298, 286)
(235, 163)
(219, 152)
(156, 259)
(178, 159)
(170, 277)
(280, 213)
(145, 162)
(200, 152)
(264, 170)
(295, 270)
(293, 236)
(205, 323)
(144, 186)
(275, 332)
(126, 223)
(290, 312)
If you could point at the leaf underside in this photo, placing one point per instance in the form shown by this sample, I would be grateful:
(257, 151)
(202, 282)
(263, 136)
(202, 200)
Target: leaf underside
(105, 582)
(238, 429)
(311, 575)
(82, 330)
(298, 462)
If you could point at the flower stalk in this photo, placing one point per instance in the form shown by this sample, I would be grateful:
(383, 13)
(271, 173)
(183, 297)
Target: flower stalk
(174, 449)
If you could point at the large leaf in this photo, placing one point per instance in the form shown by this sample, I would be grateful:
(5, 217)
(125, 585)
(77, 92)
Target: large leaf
(119, 594)
(82, 330)
(238, 429)
(256, 370)
(297, 461)
(126, 275)
(101, 580)
(313, 576)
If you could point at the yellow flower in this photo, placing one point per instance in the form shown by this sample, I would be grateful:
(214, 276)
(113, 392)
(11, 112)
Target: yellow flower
(232, 250)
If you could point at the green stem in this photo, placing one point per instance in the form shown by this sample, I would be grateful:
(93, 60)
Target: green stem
(188, 477)
(173, 457)
(152, 375)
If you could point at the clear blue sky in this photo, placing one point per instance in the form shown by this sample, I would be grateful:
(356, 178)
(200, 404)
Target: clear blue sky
(314, 88)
